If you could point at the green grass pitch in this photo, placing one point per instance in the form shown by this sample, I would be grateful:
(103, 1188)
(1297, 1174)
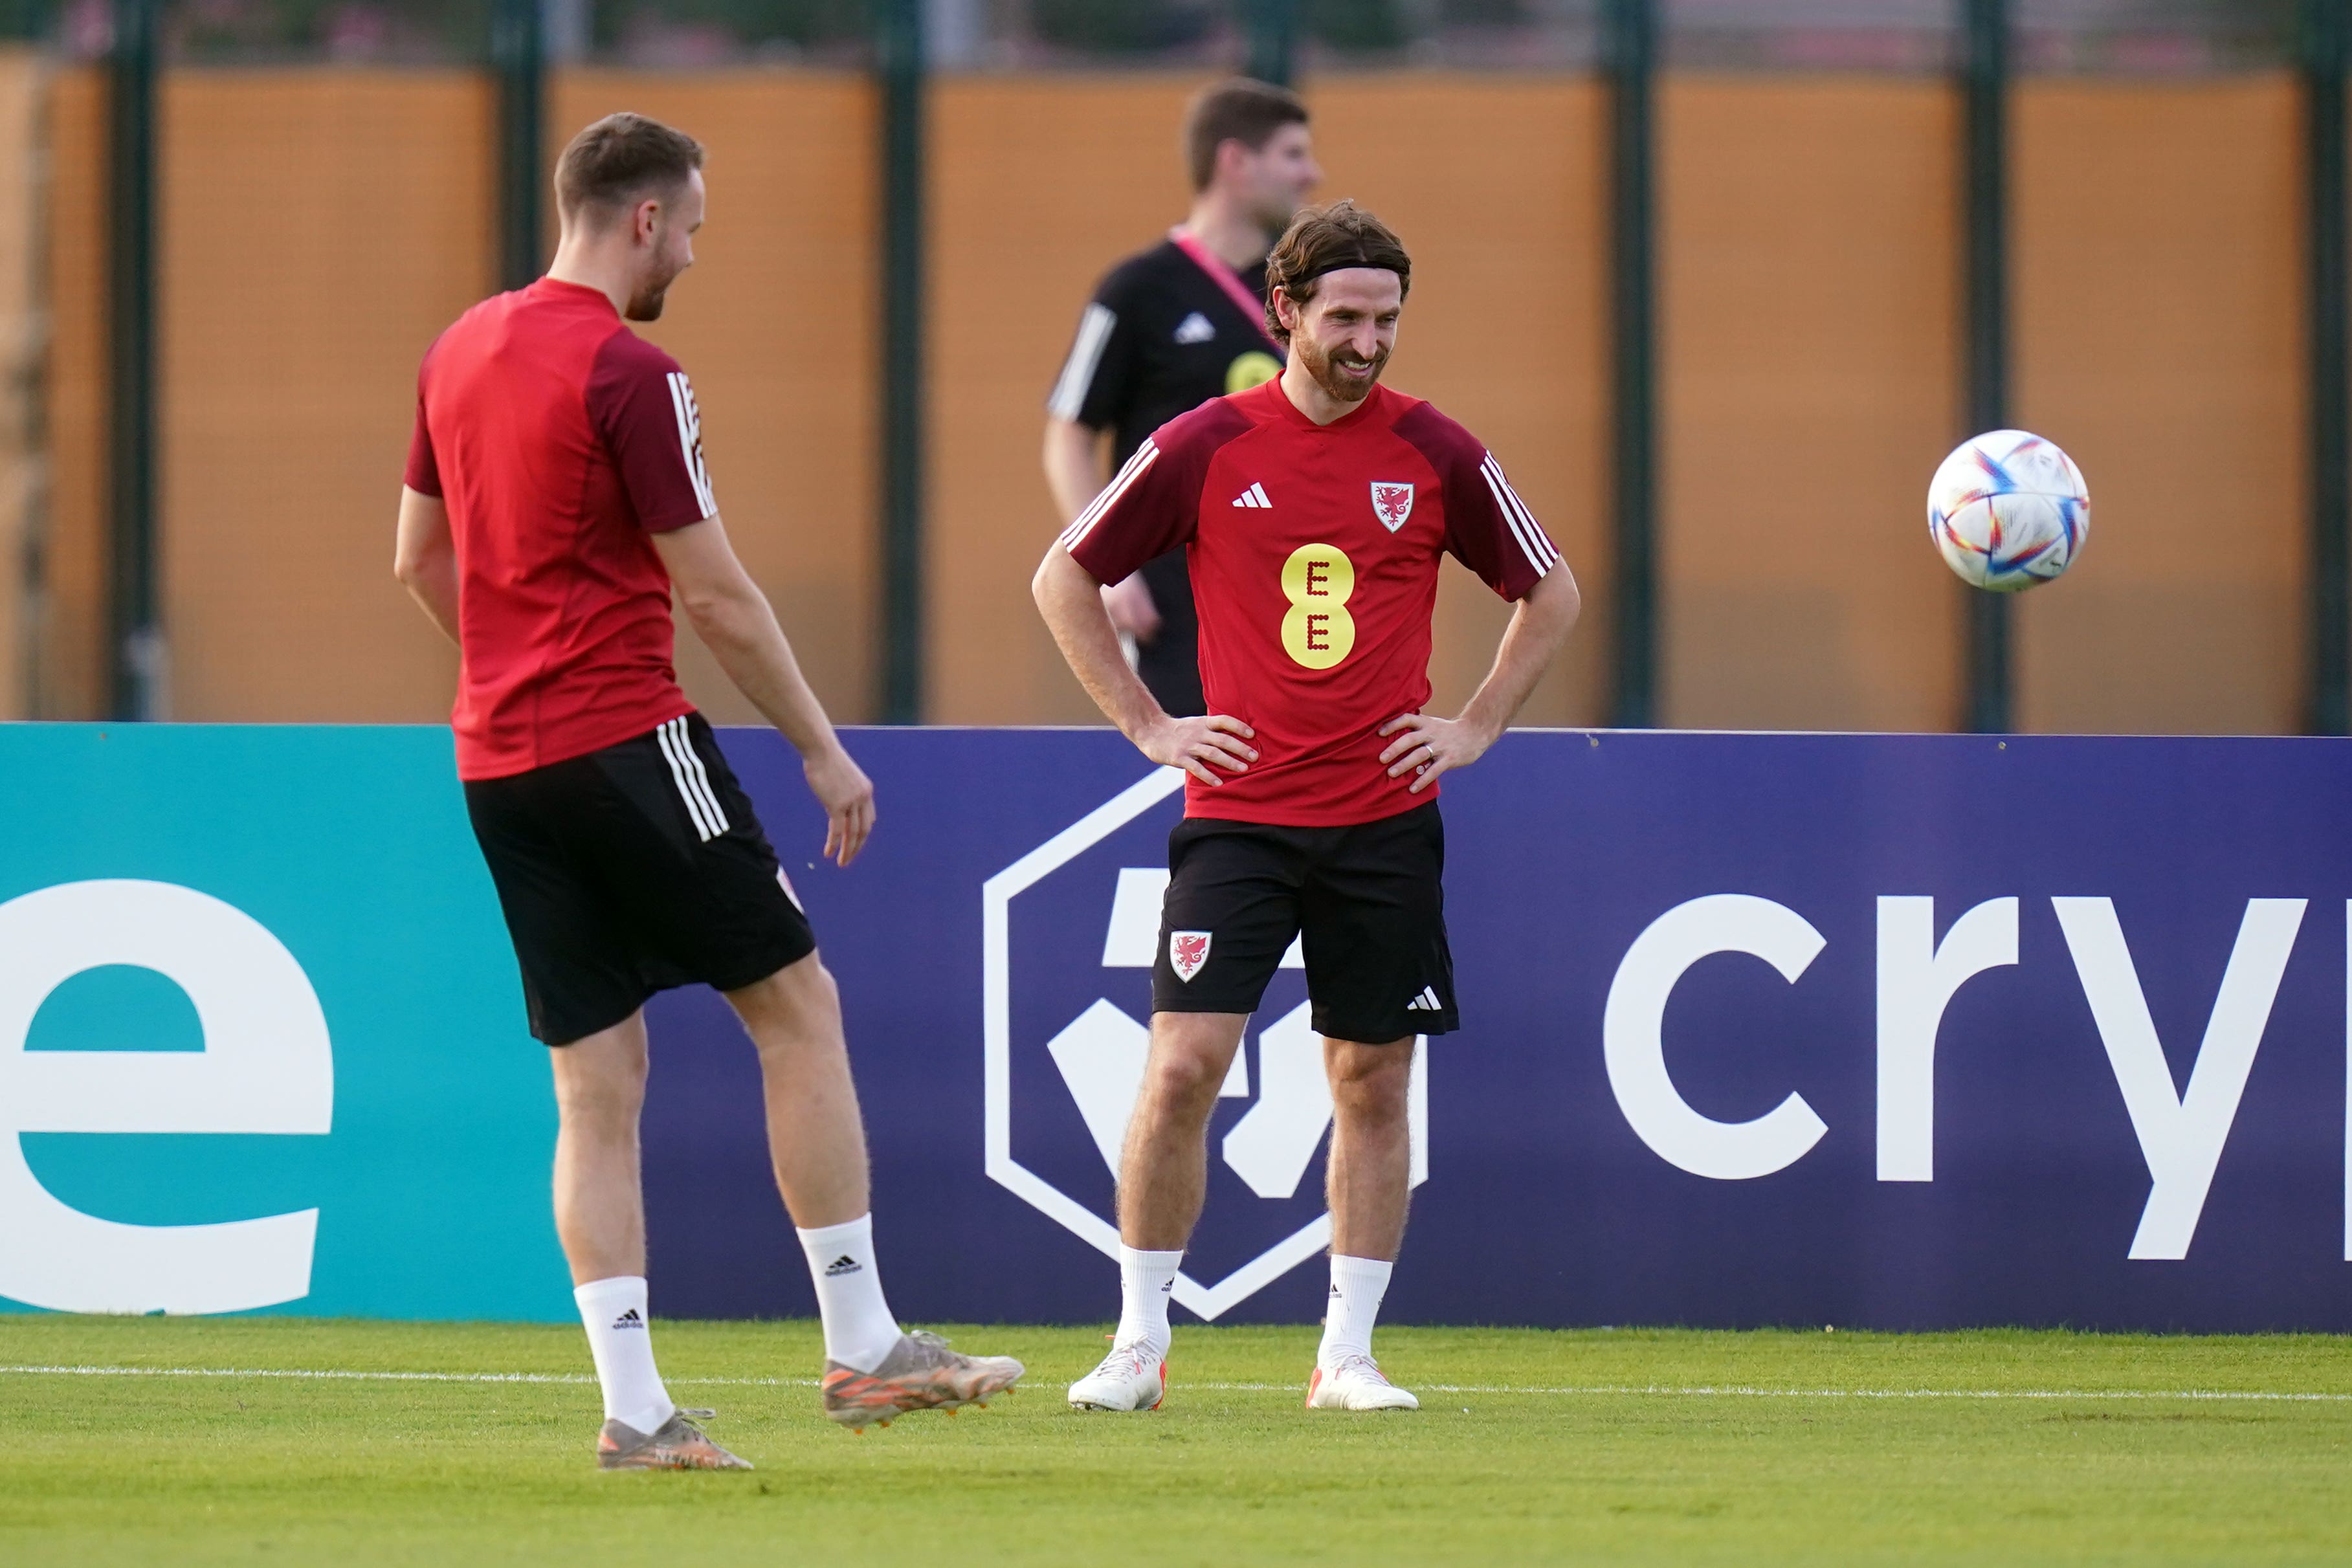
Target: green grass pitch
(1592, 1446)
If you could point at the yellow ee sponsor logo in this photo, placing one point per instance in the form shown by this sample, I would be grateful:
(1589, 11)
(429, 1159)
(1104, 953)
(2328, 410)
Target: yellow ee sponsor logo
(1316, 631)
(1254, 368)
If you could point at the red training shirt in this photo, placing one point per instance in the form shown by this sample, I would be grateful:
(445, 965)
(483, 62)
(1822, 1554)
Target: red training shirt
(1314, 552)
(561, 441)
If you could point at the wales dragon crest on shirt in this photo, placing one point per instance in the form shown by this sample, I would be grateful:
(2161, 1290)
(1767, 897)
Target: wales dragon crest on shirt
(1393, 504)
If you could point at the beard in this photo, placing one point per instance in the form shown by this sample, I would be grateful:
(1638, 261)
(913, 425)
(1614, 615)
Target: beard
(646, 304)
(1322, 367)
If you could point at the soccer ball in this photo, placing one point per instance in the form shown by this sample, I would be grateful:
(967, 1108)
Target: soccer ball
(2009, 510)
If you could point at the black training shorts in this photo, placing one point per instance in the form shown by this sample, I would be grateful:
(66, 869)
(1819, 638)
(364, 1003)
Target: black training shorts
(1367, 903)
(632, 870)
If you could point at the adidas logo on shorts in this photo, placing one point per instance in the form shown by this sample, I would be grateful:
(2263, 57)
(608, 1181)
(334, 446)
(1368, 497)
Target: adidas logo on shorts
(1426, 1002)
(845, 1264)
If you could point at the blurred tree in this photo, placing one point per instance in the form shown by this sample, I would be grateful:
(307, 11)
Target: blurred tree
(1123, 26)
(802, 23)
(232, 28)
(1358, 25)
(1484, 13)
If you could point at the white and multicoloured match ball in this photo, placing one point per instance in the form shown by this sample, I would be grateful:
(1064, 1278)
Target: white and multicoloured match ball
(2009, 510)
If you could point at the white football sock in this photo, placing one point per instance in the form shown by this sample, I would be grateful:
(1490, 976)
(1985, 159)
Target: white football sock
(1145, 1282)
(1356, 1286)
(621, 1338)
(858, 1328)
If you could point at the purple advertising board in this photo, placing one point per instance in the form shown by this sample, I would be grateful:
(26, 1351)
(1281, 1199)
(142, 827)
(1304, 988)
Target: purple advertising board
(1900, 1032)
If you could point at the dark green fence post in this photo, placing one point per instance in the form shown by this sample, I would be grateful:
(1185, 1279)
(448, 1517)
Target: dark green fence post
(1984, 227)
(135, 649)
(2325, 40)
(518, 62)
(900, 66)
(1271, 40)
(1630, 55)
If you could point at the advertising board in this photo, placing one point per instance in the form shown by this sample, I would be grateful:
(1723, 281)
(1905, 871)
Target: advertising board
(1892, 1031)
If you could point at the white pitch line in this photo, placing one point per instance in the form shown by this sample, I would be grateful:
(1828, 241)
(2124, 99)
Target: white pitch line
(1732, 1392)
(1654, 1390)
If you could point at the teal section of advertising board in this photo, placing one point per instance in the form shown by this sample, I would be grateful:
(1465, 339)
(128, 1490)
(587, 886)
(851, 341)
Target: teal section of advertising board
(349, 846)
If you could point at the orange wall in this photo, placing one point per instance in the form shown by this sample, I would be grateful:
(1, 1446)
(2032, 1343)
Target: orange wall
(2159, 339)
(318, 229)
(321, 226)
(1808, 315)
(1041, 185)
(70, 646)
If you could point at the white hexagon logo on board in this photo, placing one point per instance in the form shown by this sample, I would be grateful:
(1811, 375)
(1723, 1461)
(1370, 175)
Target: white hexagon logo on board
(1098, 1058)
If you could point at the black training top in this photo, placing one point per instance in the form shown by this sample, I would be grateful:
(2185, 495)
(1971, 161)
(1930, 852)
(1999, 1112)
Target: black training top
(1160, 338)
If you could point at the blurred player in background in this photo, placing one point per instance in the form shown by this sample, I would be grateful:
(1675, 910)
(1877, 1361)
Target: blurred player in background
(1171, 328)
(1314, 511)
(556, 494)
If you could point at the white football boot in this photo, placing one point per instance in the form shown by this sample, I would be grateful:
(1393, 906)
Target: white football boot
(1131, 1377)
(1354, 1383)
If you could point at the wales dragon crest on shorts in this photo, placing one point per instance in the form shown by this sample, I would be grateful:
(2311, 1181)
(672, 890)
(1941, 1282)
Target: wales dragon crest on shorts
(1393, 504)
(1187, 951)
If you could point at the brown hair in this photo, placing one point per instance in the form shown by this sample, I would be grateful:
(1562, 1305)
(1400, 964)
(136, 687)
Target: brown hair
(1237, 109)
(620, 159)
(1324, 239)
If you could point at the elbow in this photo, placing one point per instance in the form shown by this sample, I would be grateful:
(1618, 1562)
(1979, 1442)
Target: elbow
(1059, 582)
(704, 611)
(1041, 585)
(1567, 599)
(721, 610)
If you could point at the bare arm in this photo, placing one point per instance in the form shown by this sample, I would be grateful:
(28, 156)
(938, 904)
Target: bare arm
(1076, 473)
(1073, 608)
(733, 618)
(425, 557)
(1540, 625)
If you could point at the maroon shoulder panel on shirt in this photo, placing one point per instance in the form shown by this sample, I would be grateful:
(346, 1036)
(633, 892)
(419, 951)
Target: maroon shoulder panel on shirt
(1153, 504)
(640, 401)
(1487, 528)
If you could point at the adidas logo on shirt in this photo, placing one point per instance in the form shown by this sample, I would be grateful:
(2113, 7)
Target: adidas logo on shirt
(629, 1320)
(1194, 328)
(1254, 496)
(1426, 1002)
(845, 1264)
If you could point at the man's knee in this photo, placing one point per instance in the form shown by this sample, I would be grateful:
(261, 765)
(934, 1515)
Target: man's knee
(797, 1001)
(1369, 1082)
(1187, 1064)
(604, 1084)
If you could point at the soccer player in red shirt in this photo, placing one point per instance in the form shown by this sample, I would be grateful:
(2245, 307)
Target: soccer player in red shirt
(1315, 510)
(556, 494)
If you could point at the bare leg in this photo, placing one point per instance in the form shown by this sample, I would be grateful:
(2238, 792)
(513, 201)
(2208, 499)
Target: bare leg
(1164, 1169)
(600, 1202)
(1370, 1175)
(816, 1139)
